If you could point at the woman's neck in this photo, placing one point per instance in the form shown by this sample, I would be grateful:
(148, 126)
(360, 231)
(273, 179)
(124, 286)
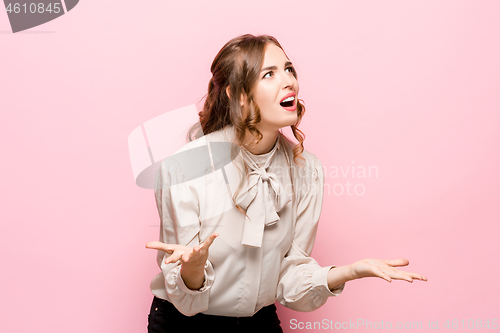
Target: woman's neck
(265, 145)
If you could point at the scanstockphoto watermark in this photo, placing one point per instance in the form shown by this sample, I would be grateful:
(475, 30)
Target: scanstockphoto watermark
(354, 324)
(431, 325)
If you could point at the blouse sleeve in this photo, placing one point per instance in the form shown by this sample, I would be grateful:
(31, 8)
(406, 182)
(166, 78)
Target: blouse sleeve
(302, 283)
(178, 208)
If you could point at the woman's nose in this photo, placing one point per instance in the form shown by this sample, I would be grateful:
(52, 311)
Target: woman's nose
(289, 81)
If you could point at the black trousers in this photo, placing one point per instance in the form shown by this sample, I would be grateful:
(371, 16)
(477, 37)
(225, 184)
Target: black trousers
(164, 317)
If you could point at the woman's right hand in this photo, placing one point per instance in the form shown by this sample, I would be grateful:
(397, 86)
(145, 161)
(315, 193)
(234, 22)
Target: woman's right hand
(193, 259)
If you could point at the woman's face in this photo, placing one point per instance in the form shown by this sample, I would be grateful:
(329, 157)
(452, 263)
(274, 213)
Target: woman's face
(276, 91)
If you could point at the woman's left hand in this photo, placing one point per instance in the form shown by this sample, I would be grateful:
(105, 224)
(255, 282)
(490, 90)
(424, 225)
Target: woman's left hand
(383, 269)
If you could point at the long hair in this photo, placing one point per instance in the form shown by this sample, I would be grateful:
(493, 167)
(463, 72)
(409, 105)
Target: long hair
(237, 66)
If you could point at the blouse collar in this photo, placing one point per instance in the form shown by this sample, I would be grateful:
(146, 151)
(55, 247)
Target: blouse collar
(261, 159)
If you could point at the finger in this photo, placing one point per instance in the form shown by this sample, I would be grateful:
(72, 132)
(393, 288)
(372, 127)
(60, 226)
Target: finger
(186, 256)
(411, 275)
(382, 275)
(171, 259)
(417, 276)
(158, 246)
(400, 275)
(168, 248)
(176, 256)
(420, 277)
(207, 242)
(397, 262)
(196, 253)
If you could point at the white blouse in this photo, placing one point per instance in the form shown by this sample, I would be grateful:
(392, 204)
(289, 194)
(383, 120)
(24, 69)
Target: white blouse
(258, 258)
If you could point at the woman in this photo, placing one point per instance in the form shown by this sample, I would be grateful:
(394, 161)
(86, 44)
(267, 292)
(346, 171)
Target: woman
(239, 237)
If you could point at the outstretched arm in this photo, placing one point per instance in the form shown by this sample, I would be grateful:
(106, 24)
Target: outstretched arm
(383, 269)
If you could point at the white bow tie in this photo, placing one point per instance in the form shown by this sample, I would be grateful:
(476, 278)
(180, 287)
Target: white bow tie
(263, 197)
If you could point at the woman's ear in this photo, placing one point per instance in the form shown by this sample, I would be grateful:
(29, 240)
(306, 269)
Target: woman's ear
(242, 98)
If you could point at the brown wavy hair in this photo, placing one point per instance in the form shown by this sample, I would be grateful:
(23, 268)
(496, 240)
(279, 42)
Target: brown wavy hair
(237, 66)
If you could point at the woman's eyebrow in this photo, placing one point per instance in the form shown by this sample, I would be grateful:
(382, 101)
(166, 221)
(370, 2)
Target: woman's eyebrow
(288, 63)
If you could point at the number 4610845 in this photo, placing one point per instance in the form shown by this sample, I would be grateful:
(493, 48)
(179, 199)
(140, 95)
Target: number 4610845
(33, 8)
(471, 324)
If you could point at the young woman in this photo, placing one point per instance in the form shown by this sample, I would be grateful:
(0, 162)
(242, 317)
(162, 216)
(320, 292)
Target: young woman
(239, 237)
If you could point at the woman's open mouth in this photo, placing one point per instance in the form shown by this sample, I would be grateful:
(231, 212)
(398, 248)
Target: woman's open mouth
(288, 102)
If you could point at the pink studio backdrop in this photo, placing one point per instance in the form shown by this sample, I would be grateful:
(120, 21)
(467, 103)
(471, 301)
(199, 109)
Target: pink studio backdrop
(407, 91)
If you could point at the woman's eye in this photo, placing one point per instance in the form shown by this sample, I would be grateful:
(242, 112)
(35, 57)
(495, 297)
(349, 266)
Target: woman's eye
(290, 69)
(268, 74)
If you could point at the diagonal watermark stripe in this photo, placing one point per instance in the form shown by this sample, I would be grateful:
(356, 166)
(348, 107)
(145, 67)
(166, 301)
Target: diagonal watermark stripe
(24, 14)
(163, 139)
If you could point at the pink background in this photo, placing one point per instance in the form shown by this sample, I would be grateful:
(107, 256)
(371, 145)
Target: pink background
(410, 88)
